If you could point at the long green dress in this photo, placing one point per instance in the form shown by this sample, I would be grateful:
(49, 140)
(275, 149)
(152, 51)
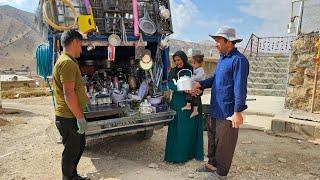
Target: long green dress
(185, 135)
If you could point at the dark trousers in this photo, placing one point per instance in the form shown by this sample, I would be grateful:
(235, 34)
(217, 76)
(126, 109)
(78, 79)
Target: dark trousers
(74, 144)
(222, 141)
(193, 100)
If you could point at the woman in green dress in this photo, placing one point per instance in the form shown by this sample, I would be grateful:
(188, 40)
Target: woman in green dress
(185, 134)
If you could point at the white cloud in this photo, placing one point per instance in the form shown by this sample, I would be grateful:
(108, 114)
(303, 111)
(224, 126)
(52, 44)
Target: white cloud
(183, 13)
(189, 23)
(274, 15)
(27, 5)
(268, 9)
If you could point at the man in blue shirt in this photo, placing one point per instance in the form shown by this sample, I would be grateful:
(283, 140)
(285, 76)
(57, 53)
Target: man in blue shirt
(228, 99)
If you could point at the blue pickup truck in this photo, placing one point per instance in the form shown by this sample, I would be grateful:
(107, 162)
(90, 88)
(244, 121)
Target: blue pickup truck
(124, 63)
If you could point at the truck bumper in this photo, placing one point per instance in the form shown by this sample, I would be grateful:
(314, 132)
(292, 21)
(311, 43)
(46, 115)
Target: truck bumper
(125, 125)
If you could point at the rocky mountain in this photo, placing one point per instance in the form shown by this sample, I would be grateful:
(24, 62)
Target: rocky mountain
(18, 38)
(205, 47)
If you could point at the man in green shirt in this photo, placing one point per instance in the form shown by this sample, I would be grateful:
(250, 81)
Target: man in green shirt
(71, 100)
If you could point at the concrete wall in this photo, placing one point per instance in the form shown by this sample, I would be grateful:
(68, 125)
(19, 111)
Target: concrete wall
(6, 85)
(301, 74)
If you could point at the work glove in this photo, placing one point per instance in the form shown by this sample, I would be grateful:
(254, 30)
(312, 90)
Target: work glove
(82, 125)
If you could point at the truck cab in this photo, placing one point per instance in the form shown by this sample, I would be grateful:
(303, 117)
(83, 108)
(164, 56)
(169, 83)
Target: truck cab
(124, 61)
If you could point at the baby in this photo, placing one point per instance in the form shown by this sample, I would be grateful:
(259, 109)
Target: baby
(198, 75)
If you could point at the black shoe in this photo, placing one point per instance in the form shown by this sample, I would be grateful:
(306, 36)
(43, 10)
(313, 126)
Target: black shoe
(204, 168)
(77, 177)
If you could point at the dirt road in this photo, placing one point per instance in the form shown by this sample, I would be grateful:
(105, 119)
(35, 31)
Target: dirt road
(29, 151)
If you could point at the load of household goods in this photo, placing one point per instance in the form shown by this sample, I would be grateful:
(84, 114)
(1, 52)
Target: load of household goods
(124, 60)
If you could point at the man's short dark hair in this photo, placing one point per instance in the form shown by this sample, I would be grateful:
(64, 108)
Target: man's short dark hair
(68, 36)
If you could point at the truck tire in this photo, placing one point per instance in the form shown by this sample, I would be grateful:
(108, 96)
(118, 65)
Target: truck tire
(144, 135)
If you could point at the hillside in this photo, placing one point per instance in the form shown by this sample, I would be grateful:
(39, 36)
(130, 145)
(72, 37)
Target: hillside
(18, 38)
(205, 47)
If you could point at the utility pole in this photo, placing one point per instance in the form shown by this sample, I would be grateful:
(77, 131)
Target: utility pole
(300, 18)
(292, 26)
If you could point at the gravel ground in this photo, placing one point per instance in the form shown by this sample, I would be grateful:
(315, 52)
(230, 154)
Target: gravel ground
(29, 151)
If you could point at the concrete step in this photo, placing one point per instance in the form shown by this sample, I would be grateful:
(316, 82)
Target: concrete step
(266, 92)
(268, 69)
(267, 80)
(267, 86)
(269, 64)
(284, 123)
(267, 74)
(283, 59)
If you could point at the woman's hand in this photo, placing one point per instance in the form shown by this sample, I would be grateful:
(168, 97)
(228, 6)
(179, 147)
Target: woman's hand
(191, 92)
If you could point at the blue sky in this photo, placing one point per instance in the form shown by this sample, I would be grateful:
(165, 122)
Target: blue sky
(193, 20)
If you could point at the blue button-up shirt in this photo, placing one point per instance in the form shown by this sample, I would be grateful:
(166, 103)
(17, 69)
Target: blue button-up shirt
(228, 85)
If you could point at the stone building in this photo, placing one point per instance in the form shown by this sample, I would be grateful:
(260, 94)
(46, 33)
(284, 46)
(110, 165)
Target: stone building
(301, 74)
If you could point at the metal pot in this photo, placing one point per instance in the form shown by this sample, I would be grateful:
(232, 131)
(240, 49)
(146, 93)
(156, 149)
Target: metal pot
(155, 100)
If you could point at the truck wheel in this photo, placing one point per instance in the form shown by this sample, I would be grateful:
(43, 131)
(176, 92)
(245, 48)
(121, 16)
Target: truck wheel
(145, 134)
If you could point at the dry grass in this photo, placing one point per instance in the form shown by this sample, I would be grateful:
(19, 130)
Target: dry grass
(24, 92)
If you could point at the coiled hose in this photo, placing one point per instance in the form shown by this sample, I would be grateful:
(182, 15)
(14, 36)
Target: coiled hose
(43, 60)
(53, 24)
(44, 64)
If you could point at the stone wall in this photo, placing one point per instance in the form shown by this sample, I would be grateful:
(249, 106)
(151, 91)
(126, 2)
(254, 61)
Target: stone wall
(301, 74)
(1, 110)
(209, 66)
